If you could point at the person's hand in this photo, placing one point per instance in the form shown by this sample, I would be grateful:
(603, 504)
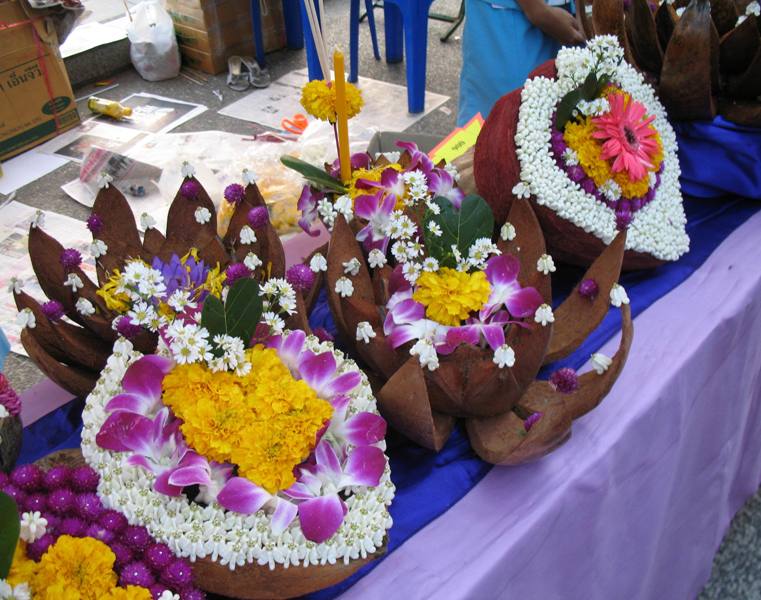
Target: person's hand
(560, 25)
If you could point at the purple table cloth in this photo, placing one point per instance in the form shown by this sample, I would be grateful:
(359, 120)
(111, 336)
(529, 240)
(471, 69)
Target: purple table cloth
(637, 502)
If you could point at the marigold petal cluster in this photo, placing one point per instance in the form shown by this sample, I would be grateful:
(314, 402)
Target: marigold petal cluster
(318, 98)
(450, 296)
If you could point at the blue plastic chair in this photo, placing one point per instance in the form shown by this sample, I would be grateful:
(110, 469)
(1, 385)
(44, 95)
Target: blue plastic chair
(292, 19)
(406, 23)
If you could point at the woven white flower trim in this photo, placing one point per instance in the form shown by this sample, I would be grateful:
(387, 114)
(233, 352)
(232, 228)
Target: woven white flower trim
(232, 539)
(659, 227)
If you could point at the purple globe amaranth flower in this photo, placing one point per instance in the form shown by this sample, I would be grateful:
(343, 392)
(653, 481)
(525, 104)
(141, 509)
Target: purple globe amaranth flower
(623, 219)
(84, 479)
(190, 593)
(236, 271)
(36, 502)
(323, 334)
(89, 506)
(576, 173)
(177, 574)
(301, 277)
(258, 217)
(157, 589)
(94, 224)
(53, 310)
(27, 478)
(54, 522)
(157, 556)
(113, 521)
(137, 573)
(122, 553)
(36, 549)
(4, 480)
(558, 145)
(190, 189)
(8, 397)
(565, 380)
(72, 526)
(18, 495)
(136, 537)
(636, 204)
(531, 420)
(589, 289)
(61, 501)
(57, 477)
(234, 193)
(588, 185)
(100, 533)
(126, 328)
(70, 258)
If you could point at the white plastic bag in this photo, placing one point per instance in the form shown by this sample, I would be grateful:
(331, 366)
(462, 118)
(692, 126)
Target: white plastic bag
(153, 44)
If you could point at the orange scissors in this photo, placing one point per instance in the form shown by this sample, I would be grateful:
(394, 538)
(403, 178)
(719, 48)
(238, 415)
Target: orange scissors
(296, 125)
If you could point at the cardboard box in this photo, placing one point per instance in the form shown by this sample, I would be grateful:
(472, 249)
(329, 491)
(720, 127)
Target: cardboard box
(385, 141)
(209, 31)
(36, 101)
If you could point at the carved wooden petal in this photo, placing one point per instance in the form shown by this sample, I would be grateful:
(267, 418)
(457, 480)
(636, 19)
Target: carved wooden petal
(577, 317)
(583, 18)
(528, 246)
(747, 85)
(643, 36)
(182, 229)
(299, 319)
(403, 401)
(665, 22)
(608, 18)
(119, 227)
(240, 217)
(153, 240)
(724, 15)
(738, 47)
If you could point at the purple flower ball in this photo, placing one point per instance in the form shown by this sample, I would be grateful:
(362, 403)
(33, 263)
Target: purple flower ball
(588, 185)
(70, 258)
(89, 506)
(636, 204)
(558, 146)
(323, 334)
(589, 289)
(113, 521)
(126, 328)
(36, 549)
(137, 573)
(72, 526)
(54, 522)
(157, 589)
(157, 556)
(18, 495)
(84, 479)
(61, 501)
(623, 219)
(53, 310)
(4, 479)
(190, 189)
(234, 193)
(57, 477)
(531, 420)
(565, 380)
(191, 593)
(94, 224)
(258, 217)
(300, 277)
(576, 173)
(27, 478)
(36, 502)
(99, 532)
(624, 205)
(557, 135)
(136, 537)
(177, 574)
(236, 271)
(123, 554)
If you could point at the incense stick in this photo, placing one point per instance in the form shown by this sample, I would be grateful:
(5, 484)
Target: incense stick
(319, 42)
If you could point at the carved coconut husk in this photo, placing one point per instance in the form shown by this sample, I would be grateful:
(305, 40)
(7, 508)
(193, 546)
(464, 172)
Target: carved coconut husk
(72, 353)
(10, 442)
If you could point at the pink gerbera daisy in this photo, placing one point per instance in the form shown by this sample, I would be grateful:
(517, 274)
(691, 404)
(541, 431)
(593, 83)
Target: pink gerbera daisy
(629, 138)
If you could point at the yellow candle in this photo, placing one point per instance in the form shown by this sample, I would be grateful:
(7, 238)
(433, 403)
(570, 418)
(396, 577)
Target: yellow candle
(342, 119)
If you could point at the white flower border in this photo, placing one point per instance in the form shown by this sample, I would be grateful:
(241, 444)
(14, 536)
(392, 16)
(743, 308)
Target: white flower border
(659, 227)
(232, 539)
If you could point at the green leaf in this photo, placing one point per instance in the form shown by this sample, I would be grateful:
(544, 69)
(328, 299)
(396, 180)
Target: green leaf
(459, 228)
(213, 317)
(243, 309)
(588, 89)
(315, 175)
(9, 532)
(566, 107)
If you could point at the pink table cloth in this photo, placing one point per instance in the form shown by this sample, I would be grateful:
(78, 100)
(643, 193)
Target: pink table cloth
(637, 502)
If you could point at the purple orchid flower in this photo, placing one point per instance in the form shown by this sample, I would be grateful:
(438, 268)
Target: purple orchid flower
(502, 274)
(358, 160)
(418, 160)
(244, 496)
(405, 321)
(391, 182)
(376, 210)
(492, 330)
(321, 510)
(142, 386)
(194, 469)
(362, 429)
(307, 204)
(441, 183)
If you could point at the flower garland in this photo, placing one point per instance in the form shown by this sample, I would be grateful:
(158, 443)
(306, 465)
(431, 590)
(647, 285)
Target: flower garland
(612, 162)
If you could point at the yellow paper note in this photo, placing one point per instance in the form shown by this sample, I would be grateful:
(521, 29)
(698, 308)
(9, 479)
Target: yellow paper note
(459, 141)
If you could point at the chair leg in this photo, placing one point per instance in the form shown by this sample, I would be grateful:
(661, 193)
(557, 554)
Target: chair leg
(292, 17)
(256, 21)
(353, 41)
(392, 25)
(373, 32)
(313, 62)
(456, 23)
(416, 40)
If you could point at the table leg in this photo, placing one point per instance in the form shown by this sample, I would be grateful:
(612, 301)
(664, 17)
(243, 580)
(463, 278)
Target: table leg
(353, 41)
(392, 25)
(256, 19)
(292, 17)
(416, 39)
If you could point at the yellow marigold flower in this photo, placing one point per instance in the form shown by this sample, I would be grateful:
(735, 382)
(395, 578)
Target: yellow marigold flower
(23, 569)
(81, 565)
(115, 301)
(449, 296)
(319, 99)
(265, 422)
(373, 174)
(131, 592)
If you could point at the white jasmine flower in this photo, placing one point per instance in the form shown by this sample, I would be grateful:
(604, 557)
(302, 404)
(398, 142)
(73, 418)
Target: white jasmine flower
(147, 221)
(522, 190)
(3, 414)
(98, 248)
(544, 315)
(344, 287)
(344, 206)
(248, 177)
(74, 282)
(618, 295)
(84, 307)
(376, 258)
(276, 324)
(327, 212)
(426, 353)
(18, 592)
(365, 331)
(247, 235)
(252, 261)
(38, 220)
(452, 170)
(507, 233)
(545, 264)
(166, 594)
(33, 526)
(740, 19)
(351, 267)
(318, 263)
(600, 363)
(104, 180)
(753, 9)
(434, 228)
(187, 169)
(430, 264)
(202, 215)
(14, 285)
(504, 356)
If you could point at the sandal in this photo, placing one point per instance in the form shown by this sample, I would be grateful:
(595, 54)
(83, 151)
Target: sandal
(237, 78)
(259, 77)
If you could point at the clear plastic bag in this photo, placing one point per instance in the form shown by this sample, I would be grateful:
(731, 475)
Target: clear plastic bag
(153, 44)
